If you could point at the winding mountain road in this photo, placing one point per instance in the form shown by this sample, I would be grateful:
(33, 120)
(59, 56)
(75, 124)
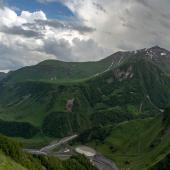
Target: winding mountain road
(98, 160)
(46, 149)
(61, 142)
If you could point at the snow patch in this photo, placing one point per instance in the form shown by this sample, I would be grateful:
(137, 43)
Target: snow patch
(135, 52)
(163, 54)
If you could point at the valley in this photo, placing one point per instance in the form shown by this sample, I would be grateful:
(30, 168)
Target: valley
(64, 153)
(118, 106)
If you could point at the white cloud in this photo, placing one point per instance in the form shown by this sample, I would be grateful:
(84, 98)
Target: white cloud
(18, 46)
(31, 17)
(99, 28)
(125, 24)
(31, 37)
(17, 52)
(9, 17)
(79, 50)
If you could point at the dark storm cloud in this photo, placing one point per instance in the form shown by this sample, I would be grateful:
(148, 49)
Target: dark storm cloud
(64, 51)
(144, 2)
(18, 30)
(8, 58)
(61, 49)
(99, 7)
(60, 25)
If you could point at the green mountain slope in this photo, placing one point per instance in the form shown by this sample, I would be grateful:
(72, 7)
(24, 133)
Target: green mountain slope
(55, 99)
(135, 88)
(33, 102)
(6, 163)
(54, 70)
(2, 75)
(164, 164)
(135, 145)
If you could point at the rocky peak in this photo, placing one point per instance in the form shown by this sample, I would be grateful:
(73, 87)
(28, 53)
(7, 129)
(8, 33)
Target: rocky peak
(157, 54)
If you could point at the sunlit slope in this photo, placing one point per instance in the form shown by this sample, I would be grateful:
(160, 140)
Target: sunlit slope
(55, 70)
(6, 163)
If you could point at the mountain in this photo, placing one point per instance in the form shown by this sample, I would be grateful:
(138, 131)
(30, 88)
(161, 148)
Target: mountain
(14, 158)
(141, 144)
(2, 75)
(117, 105)
(55, 101)
(54, 70)
(163, 164)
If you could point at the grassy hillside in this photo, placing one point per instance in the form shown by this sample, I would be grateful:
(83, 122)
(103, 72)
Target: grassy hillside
(18, 129)
(32, 101)
(164, 164)
(41, 102)
(140, 84)
(54, 70)
(135, 145)
(134, 89)
(6, 163)
(110, 102)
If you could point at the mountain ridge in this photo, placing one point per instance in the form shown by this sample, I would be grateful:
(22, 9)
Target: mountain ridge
(55, 70)
(122, 98)
(138, 86)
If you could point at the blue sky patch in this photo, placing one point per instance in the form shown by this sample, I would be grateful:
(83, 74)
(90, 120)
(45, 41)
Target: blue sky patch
(53, 10)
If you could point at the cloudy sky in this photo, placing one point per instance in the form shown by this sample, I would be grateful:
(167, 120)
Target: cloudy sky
(78, 30)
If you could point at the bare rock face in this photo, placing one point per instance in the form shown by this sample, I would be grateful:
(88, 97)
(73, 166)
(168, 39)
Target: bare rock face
(124, 74)
(69, 105)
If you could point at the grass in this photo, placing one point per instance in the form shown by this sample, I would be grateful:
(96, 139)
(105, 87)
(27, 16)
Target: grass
(6, 163)
(136, 145)
(33, 100)
(59, 70)
(37, 141)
